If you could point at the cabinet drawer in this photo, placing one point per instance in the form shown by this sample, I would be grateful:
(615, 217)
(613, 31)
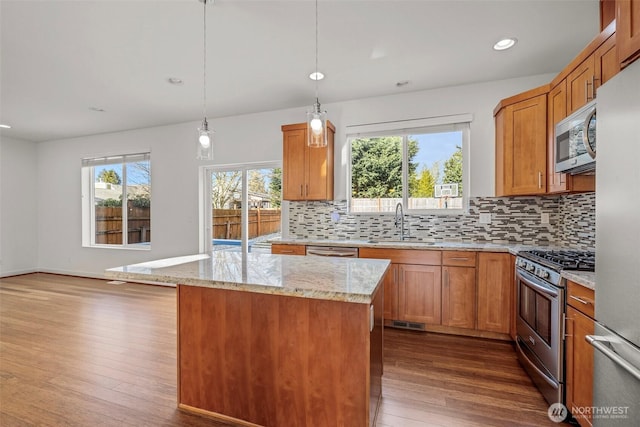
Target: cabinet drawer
(403, 256)
(288, 249)
(581, 298)
(459, 258)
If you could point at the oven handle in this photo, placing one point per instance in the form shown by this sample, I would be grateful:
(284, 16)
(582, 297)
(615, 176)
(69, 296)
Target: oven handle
(530, 281)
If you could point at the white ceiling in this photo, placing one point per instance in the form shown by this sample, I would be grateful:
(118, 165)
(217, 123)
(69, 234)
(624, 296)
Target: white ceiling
(60, 58)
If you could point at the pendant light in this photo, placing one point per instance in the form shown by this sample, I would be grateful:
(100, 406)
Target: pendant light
(204, 144)
(316, 118)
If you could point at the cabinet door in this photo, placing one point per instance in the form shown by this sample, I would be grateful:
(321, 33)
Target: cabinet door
(580, 83)
(419, 293)
(556, 111)
(579, 364)
(319, 173)
(288, 249)
(293, 164)
(459, 296)
(391, 293)
(495, 290)
(525, 147)
(606, 61)
(628, 30)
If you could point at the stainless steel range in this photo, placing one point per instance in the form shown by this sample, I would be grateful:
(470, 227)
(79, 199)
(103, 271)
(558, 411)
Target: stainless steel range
(540, 315)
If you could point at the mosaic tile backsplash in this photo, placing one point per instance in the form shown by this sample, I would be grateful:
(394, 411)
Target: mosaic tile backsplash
(513, 220)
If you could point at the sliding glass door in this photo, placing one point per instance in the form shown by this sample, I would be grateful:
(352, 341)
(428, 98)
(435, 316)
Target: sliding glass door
(242, 207)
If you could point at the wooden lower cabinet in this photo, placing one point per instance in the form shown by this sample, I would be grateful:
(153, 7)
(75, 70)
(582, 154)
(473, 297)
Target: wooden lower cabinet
(495, 292)
(391, 293)
(459, 297)
(579, 365)
(420, 293)
(277, 248)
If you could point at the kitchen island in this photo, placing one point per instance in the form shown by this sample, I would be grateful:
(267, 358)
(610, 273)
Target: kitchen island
(275, 340)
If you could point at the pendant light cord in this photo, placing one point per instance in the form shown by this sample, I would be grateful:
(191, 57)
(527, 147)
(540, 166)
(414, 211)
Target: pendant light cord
(204, 74)
(316, 71)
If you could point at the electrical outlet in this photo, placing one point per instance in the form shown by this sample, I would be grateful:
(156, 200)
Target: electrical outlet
(485, 218)
(544, 218)
(300, 218)
(335, 216)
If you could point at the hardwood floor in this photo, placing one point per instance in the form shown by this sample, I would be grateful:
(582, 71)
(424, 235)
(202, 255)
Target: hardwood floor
(82, 352)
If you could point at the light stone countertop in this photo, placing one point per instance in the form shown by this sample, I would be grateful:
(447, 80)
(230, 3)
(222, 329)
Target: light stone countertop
(512, 248)
(584, 278)
(337, 279)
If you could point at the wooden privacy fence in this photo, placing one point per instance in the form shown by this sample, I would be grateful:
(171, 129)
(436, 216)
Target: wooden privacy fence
(227, 223)
(109, 225)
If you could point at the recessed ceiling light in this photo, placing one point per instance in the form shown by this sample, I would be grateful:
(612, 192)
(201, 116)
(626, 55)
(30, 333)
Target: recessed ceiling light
(402, 83)
(5, 126)
(505, 44)
(97, 109)
(175, 81)
(316, 76)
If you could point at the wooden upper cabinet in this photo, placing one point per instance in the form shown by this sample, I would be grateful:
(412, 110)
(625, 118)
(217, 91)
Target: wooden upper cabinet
(580, 85)
(628, 31)
(307, 172)
(521, 144)
(606, 61)
(556, 111)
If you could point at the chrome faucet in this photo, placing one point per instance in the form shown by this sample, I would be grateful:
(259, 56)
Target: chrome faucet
(401, 216)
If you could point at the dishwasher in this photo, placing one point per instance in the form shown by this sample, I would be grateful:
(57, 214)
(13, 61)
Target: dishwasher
(334, 251)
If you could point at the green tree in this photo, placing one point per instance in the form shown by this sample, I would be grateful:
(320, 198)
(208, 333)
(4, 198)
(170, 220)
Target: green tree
(275, 187)
(453, 169)
(424, 184)
(377, 166)
(110, 176)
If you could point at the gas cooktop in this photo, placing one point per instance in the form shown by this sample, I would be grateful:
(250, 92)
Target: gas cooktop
(563, 259)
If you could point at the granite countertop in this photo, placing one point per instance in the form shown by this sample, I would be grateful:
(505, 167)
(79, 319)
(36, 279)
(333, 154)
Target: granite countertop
(584, 278)
(338, 279)
(512, 248)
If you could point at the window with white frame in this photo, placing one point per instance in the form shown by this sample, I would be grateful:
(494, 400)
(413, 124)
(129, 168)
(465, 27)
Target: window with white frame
(424, 168)
(116, 193)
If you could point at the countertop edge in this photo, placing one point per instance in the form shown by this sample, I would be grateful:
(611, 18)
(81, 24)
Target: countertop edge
(255, 288)
(582, 278)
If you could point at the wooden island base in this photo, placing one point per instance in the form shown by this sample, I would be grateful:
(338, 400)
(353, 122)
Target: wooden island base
(273, 360)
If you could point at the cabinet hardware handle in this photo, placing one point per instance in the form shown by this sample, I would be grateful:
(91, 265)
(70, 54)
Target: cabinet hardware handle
(459, 259)
(539, 179)
(593, 86)
(306, 193)
(446, 278)
(586, 89)
(286, 252)
(301, 193)
(580, 300)
(564, 325)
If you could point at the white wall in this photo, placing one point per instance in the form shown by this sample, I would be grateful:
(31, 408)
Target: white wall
(239, 139)
(18, 206)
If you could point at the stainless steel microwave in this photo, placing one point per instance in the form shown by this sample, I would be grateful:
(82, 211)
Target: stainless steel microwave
(575, 139)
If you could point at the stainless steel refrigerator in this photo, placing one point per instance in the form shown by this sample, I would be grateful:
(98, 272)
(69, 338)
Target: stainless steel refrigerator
(617, 332)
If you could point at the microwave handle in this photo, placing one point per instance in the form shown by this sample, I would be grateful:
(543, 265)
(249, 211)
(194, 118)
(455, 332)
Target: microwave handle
(585, 133)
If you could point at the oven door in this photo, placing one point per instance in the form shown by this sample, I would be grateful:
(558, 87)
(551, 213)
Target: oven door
(539, 341)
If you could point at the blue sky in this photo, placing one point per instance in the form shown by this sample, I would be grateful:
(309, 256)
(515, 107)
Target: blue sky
(436, 147)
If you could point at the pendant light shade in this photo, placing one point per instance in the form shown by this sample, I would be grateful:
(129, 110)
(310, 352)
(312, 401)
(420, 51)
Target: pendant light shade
(317, 127)
(204, 143)
(316, 118)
